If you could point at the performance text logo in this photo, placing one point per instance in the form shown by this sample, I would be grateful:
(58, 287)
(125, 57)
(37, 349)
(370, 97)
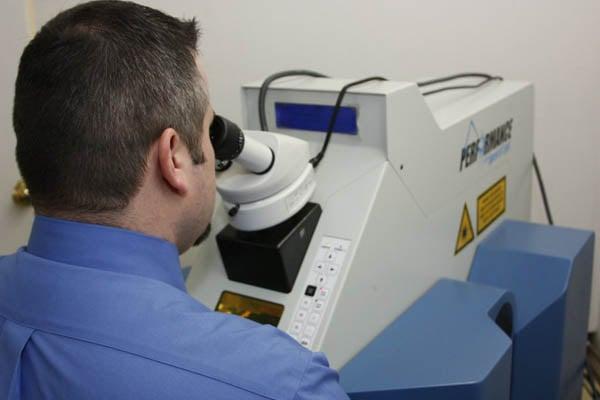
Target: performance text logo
(488, 147)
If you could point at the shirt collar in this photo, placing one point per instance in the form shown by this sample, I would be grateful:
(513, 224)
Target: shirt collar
(106, 248)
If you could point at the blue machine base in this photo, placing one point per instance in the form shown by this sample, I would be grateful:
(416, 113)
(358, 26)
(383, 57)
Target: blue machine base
(528, 282)
(549, 270)
(446, 346)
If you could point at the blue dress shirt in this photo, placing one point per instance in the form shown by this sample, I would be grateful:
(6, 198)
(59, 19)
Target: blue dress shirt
(94, 312)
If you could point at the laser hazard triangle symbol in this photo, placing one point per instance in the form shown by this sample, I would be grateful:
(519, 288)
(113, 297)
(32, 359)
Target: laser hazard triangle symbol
(465, 231)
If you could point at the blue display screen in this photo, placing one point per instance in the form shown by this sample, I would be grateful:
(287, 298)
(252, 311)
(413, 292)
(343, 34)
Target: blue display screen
(314, 117)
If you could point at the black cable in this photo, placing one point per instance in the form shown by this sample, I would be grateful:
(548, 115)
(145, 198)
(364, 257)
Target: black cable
(595, 393)
(338, 103)
(454, 77)
(474, 86)
(262, 94)
(591, 380)
(590, 373)
(542, 191)
(317, 159)
(593, 352)
(586, 387)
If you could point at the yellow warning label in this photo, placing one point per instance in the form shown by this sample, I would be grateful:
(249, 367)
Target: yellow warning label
(491, 204)
(465, 231)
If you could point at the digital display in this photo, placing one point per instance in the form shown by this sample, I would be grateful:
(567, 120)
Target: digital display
(261, 311)
(315, 117)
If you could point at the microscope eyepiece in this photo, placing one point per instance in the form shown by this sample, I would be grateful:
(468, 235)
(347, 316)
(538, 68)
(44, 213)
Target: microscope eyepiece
(230, 144)
(227, 138)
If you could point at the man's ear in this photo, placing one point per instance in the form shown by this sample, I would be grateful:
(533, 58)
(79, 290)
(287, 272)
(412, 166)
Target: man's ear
(172, 154)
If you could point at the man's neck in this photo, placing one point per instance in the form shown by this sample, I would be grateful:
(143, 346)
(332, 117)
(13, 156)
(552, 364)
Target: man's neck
(116, 219)
(124, 219)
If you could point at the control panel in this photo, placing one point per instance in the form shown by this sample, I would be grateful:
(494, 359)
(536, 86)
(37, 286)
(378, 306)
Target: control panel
(318, 290)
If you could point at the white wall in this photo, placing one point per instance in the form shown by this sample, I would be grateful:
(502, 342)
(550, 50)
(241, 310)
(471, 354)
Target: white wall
(553, 43)
(15, 221)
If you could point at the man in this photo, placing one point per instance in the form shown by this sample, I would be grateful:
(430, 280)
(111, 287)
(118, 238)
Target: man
(112, 115)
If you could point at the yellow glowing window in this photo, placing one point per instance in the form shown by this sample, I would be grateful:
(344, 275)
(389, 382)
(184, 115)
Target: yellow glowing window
(261, 311)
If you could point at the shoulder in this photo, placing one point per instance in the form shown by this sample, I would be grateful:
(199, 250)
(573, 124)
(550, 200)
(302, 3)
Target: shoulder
(227, 358)
(6, 260)
(6, 257)
(112, 373)
(238, 341)
(260, 359)
(170, 327)
(280, 360)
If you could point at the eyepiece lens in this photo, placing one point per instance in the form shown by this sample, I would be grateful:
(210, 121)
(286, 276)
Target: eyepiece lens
(226, 137)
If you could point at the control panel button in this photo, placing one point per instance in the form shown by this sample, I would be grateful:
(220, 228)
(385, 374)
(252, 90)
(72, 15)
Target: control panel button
(319, 305)
(309, 331)
(320, 267)
(330, 257)
(306, 342)
(296, 327)
(305, 303)
(314, 319)
(321, 280)
(323, 293)
(310, 290)
(301, 315)
(331, 269)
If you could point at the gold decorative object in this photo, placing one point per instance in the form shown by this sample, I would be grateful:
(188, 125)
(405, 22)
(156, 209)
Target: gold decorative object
(20, 193)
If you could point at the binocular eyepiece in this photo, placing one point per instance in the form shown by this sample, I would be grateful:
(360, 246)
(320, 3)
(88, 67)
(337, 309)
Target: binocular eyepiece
(230, 144)
(227, 139)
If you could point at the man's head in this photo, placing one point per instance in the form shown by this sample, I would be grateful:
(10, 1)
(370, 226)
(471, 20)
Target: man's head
(111, 114)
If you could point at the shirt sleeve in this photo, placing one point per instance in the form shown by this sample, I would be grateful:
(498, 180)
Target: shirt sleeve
(320, 382)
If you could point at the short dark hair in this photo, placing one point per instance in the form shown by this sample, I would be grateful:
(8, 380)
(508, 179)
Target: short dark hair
(96, 87)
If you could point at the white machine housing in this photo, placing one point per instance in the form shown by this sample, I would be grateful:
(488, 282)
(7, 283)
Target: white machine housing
(392, 198)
